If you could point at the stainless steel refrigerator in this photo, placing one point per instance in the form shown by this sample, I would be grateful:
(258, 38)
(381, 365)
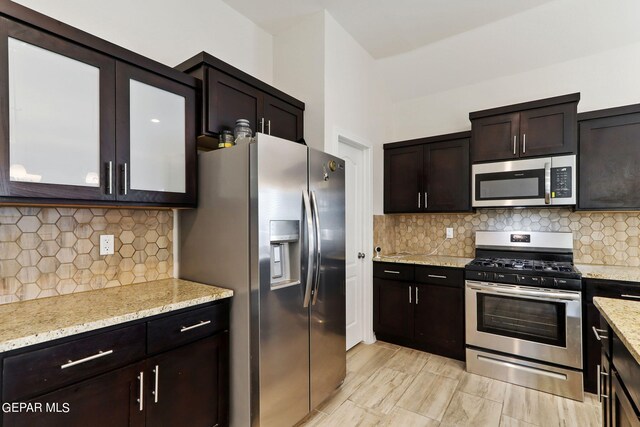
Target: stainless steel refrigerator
(270, 224)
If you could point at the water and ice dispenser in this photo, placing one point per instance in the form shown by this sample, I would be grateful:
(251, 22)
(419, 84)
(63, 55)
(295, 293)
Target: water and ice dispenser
(285, 253)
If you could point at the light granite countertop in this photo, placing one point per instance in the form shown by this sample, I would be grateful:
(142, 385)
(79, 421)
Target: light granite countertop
(435, 260)
(35, 321)
(623, 317)
(609, 272)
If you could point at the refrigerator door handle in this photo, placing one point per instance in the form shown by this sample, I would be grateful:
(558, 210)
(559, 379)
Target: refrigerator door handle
(318, 254)
(310, 237)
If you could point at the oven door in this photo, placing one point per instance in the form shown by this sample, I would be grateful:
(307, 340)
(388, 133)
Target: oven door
(536, 323)
(514, 183)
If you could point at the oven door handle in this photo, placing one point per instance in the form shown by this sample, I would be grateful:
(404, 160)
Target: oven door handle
(524, 293)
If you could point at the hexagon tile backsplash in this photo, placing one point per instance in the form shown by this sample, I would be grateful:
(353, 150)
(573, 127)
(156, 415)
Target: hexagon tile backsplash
(54, 251)
(610, 238)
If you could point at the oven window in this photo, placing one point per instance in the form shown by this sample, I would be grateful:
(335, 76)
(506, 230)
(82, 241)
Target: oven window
(532, 320)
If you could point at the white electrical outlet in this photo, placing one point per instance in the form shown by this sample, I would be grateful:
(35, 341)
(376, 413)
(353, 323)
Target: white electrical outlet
(106, 244)
(449, 233)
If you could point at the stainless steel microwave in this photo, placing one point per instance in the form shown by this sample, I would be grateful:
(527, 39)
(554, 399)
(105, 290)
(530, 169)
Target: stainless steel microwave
(543, 181)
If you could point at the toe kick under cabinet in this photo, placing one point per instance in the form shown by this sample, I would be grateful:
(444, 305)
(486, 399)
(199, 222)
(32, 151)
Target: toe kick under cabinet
(167, 370)
(420, 306)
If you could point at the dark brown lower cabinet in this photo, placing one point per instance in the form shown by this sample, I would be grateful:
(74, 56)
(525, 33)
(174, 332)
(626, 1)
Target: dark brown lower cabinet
(426, 313)
(591, 319)
(623, 413)
(189, 383)
(184, 382)
(619, 391)
(392, 315)
(105, 401)
(439, 320)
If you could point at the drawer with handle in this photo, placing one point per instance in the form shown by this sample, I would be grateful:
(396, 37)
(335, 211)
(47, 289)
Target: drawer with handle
(30, 374)
(440, 275)
(612, 289)
(393, 271)
(172, 331)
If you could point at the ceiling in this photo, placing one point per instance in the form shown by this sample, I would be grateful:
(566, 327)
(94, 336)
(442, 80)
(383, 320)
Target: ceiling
(387, 27)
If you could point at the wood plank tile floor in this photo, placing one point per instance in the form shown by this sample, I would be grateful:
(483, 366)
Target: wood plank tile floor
(388, 385)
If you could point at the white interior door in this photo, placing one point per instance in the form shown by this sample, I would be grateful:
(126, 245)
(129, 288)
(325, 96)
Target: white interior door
(355, 241)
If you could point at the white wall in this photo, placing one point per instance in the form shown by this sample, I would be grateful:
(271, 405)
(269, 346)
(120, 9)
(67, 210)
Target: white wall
(319, 62)
(170, 31)
(354, 97)
(555, 32)
(298, 69)
(606, 79)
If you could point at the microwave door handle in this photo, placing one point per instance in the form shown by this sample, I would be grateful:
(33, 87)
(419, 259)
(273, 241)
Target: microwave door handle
(547, 183)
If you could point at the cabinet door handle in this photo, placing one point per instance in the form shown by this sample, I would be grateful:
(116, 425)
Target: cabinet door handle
(156, 387)
(197, 325)
(630, 296)
(262, 124)
(417, 299)
(391, 271)
(597, 333)
(269, 126)
(141, 391)
(436, 276)
(599, 384)
(524, 143)
(98, 355)
(426, 200)
(515, 144)
(110, 177)
(409, 294)
(419, 195)
(125, 178)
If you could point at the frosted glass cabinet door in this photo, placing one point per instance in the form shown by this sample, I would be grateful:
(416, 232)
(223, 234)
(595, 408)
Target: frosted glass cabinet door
(156, 142)
(56, 135)
(156, 137)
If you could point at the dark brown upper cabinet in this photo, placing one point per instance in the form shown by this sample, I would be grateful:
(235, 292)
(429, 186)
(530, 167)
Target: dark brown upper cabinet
(283, 119)
(427, 175)
(228, 100)
(88, 122)
(532, 129)
(156, 140)
(229, 94)
(403, 179)
(608, 174)
(58, 102)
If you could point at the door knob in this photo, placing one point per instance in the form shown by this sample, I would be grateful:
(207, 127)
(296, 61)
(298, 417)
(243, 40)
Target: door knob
(361, 255)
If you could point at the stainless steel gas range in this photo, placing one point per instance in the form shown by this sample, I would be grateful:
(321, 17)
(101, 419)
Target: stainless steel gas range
(524, 311)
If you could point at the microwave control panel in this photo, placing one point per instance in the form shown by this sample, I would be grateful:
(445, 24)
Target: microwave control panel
(561, 182)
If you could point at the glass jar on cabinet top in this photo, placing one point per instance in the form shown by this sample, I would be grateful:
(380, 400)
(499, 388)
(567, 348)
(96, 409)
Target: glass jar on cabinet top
(242, 132)
(226, 139)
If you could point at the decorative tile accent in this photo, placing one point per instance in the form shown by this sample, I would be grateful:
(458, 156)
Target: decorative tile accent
(609, 238)
(54, 251)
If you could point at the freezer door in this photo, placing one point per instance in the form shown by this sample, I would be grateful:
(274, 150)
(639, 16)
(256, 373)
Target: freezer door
(280, 320)
(327, 309)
